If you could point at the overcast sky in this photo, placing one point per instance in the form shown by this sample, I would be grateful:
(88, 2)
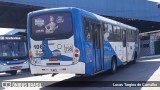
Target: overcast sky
(5, 30)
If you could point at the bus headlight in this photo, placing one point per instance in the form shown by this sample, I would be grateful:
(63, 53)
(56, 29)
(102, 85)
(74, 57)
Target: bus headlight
(3, 64)
(25, 62)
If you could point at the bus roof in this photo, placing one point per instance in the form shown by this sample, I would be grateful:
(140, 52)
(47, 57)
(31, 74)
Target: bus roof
(95, 16)
(108, 20)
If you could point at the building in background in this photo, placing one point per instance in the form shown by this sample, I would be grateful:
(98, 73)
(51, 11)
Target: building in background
(150, 43)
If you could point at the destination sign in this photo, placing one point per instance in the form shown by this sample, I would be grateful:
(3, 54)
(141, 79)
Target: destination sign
(10, 38)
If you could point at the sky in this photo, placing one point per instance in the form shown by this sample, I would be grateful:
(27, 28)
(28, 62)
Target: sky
(158, 1)
(10, 31)
(5, 30)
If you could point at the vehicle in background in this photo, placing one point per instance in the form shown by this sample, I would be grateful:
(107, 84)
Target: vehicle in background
(72, 40)
(13, 52)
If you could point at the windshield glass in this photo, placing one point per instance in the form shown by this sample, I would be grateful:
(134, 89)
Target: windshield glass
(13, 50)
(51, 26)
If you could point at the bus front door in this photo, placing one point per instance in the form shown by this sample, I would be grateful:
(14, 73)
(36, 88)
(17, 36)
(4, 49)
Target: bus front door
(97, 47)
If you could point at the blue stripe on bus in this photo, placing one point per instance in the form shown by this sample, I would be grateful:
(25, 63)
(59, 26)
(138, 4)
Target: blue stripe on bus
(47, 52)
(108, 53)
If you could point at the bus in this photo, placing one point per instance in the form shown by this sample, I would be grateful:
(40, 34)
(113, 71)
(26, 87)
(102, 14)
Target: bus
(13, 53)
(75, 41)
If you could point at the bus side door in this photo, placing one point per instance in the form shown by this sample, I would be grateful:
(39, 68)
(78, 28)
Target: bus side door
(130, 45)
(97, 46)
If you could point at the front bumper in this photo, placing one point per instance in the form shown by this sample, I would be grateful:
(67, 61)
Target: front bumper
(11, 67)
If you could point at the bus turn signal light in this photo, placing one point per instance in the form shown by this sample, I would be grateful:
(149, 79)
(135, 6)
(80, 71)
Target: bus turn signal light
(30, 55)
(76, 51)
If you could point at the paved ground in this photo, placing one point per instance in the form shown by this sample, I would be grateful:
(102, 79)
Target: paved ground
(146, 69)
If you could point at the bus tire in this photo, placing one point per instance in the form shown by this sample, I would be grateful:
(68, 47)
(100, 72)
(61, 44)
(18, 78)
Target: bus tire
(113, 65)
(12, 72)
(135, 58)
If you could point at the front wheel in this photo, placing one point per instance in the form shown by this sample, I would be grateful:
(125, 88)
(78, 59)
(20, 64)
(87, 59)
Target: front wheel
(113, 65)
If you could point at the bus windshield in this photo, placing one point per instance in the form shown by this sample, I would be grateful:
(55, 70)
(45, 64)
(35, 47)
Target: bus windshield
(13, 50)
(51, 26)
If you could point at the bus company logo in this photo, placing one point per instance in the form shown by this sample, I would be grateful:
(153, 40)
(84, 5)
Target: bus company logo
(59, 46)
(68, 48)
(60, 19)
(56, 53)
(6, 84)
(39, 22)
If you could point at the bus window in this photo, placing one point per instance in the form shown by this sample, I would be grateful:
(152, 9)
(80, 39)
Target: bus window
(53, 26)
(106, 33)
(114, 29)
(118, 30)
(109, 28)
(87, 30)
(129, 36)
(110, 31)
(97, 32)
(124, 38)
(96, 38)
(119, 34)
(105, 28)
(12, 49)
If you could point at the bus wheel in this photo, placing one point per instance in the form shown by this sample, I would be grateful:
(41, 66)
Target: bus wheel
(113, 65)
(12, 72)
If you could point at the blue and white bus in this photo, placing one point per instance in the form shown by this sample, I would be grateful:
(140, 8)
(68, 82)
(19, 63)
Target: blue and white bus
(13, 53)
(72, 40)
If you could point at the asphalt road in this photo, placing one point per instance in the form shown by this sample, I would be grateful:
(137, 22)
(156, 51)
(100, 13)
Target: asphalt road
(146, 69)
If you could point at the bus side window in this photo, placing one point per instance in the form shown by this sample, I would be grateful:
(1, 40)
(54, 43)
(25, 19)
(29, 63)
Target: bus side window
(128, 35)
(97, 35)
(87, 30)
(119, 33)
(124, 38)
(106, 32)
(136, 37)
(110, 31)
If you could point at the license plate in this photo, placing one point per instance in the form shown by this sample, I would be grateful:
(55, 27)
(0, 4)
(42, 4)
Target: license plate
(53, 59)
(54, 70)
(16, 67)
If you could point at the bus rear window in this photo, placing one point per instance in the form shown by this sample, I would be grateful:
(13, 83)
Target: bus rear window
(52, 26)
